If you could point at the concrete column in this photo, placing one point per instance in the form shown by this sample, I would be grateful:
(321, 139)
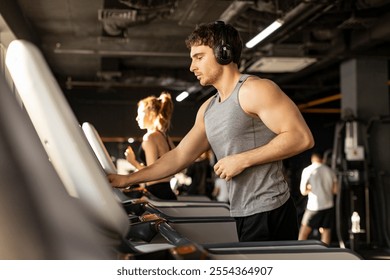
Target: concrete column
(364, 87)
(365, 93)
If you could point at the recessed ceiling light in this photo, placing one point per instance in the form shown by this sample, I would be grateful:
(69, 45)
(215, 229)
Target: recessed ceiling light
(281, 64)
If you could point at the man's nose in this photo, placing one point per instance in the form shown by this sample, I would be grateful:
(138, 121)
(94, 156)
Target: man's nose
(192, 67)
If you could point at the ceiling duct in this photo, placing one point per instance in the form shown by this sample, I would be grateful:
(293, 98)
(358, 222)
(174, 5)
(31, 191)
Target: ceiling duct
(357, 23)
(162, 5)
(116, 20)
(266, 6)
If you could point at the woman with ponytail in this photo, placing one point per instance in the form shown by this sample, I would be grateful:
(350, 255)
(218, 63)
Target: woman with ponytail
(154, 114)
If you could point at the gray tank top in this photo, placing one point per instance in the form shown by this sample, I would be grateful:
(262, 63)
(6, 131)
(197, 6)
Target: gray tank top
(231, 131)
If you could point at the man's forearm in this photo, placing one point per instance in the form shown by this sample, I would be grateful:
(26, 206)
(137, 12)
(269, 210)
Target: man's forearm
(281, 147)
(168, 165)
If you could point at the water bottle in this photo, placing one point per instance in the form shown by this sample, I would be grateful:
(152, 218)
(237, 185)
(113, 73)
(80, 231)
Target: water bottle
(355, 219)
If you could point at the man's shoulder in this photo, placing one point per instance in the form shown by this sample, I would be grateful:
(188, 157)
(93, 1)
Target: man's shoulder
(203, 108)
(252, 79)
(253, 86)
(207, 103)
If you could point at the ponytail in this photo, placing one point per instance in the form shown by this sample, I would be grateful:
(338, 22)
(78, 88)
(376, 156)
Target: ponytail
(166, 111)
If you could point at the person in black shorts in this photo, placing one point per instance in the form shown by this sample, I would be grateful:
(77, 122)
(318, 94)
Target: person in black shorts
(319, 183)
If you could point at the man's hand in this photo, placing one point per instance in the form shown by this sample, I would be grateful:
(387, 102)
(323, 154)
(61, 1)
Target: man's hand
(228, 167)
(118, 181)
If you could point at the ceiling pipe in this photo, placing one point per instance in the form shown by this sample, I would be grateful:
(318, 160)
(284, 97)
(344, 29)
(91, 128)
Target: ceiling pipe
(118, 53)
(176, 86)
(233, 10)
(367, 38)
(295, 17)
(319, 101)
(322, 110)
(304, 13)
(307, 107)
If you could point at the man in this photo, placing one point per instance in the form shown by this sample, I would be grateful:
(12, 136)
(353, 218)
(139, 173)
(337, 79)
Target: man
(251, 126)
(319, 182)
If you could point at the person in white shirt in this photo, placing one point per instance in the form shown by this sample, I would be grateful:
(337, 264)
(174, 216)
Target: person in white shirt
(221, 191)
(319, 183)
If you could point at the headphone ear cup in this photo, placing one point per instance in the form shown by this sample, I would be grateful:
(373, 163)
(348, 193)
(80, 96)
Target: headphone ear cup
(223, 54)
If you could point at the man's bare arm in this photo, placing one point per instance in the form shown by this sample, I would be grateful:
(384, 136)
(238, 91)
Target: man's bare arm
(264, 99)
(189, 149)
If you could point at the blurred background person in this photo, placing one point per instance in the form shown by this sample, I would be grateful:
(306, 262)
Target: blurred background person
(154, 114)
(221, 190)
(202, 176)
(319, 183)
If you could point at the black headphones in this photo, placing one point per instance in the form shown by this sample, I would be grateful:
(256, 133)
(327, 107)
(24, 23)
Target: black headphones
(223, 51)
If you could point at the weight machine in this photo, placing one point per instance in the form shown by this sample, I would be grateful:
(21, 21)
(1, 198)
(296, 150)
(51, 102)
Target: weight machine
(353, 163)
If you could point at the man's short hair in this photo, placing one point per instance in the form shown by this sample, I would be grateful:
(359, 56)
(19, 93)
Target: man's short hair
(209, 35)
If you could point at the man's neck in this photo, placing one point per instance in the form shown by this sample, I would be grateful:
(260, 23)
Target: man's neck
(227, 82)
